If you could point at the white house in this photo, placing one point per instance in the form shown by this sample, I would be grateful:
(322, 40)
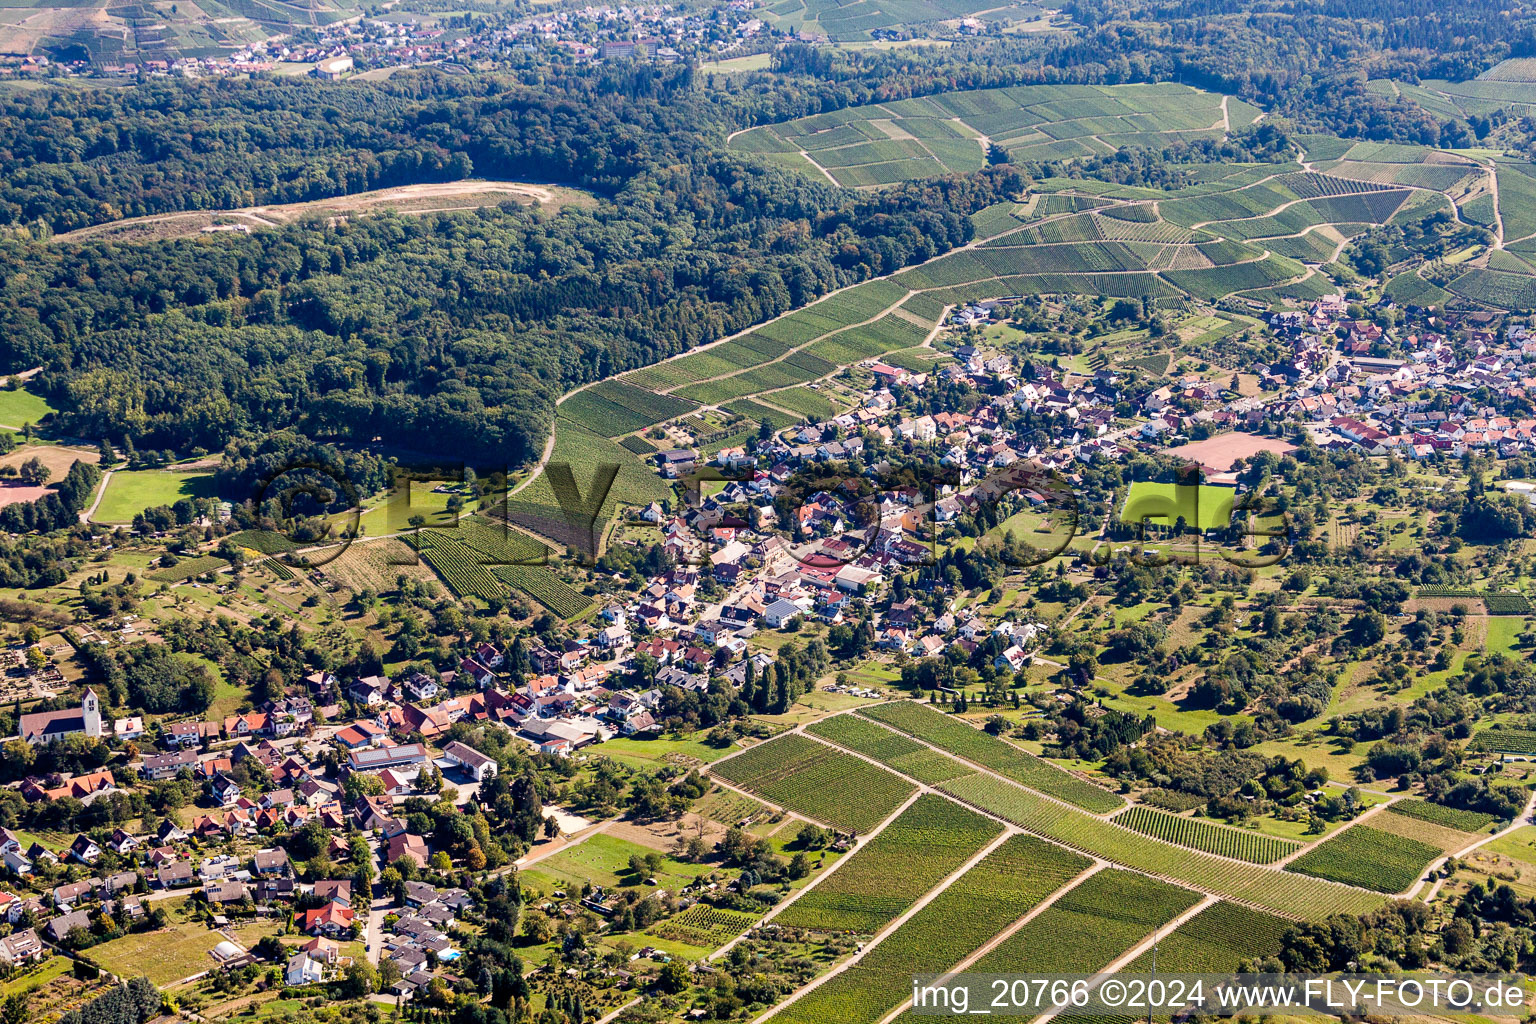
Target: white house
(780, 612)
(471, 760)
(421, 686)
(303, 969)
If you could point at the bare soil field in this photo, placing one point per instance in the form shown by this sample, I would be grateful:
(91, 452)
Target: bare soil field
(56, 458)
(664, 835)
(1220, 452)
(23, 29)
(438, 197)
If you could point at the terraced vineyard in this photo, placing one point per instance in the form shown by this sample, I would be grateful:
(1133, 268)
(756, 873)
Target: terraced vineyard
(1282, 892)
(932, 135)
(1368, 857)
(485, 559)
(1202, 835)
(1258, 232)
(927, 842)
(889, 748)
(962, 740)
(1005, 885)
(818, 781)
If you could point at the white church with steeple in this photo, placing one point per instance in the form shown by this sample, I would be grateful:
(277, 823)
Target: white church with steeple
(47, 726)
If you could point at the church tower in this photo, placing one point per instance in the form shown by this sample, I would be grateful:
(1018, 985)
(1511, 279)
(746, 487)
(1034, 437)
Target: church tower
(90, 712)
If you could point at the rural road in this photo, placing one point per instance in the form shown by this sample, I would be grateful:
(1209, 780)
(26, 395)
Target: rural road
(858, 844)
(1520, 821)
(101, 492)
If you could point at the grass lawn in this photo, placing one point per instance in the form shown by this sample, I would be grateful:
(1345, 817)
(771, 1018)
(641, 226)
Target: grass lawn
(131, 492)
(813, 705)
(1204, 506)
(227, 696)
(22, 406)
(1518, 845)
(752, 62)
(53, 967)
(604, 860)
(276, 1007)
(173, 953)
(650, 754)
(1503, 630)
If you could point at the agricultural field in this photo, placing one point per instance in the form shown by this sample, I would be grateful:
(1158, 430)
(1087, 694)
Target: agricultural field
(892, 749)
(188, 568)
(972, 744)
(1285, 893)
(172, 953)
(130, 492)
(1368, 857)
(926, 136)
(1089, 925)
(855, 22)
(1504, 740)
(1240, 844)
(1006, 884)
(928, 841)
(1219, 938)
(704, 926)
(818, 781)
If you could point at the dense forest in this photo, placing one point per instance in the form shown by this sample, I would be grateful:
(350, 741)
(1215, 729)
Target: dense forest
(462, 328)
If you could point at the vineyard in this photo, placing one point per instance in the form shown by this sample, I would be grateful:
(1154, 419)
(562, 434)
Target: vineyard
(1253, 847)
(704, 926)
(1005, 885)
(1284, 893)
(1368, 857)
(889, 748)
(1500, 739)
(1506, 603)
(485, 560)
(818, 781)
(1450, 817)
(188, 568)
(1497, 602)
(962, 740)
(942, 132)
(277, 569)
(615, 407)
(1088, 926)
(268, 542)
(928, 841)
(1219, 938)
